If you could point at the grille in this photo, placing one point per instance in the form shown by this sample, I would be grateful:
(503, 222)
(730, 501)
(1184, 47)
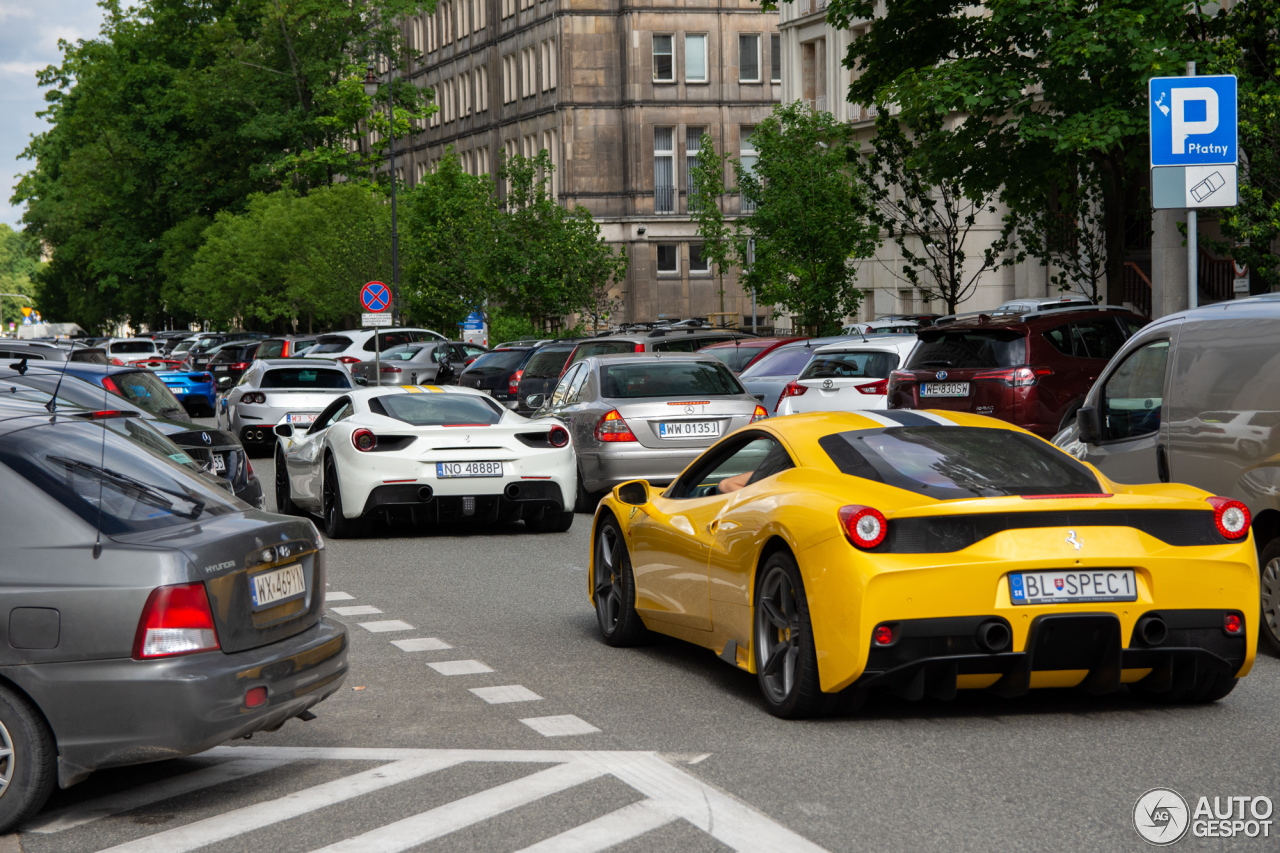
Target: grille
(1176, 527)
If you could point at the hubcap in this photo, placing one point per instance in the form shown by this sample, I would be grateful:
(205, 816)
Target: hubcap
(330, 495)
(608, 577)
(7, 757)
(1270, 585)
(778, 634)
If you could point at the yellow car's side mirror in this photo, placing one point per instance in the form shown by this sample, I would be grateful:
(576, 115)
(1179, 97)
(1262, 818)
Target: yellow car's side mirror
(633, 492)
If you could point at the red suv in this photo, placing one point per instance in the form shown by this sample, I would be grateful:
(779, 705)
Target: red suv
(1032, 370)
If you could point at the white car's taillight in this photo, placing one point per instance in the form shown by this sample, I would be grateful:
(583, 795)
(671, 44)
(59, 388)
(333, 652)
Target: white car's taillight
(176, 620)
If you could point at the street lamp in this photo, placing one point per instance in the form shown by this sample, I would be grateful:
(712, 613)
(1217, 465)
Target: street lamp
(371, 89)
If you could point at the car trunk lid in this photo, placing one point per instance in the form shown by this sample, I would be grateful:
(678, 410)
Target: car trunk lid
(691, 422)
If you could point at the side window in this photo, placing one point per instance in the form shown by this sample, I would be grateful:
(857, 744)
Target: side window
(1134, 393)
(1101, 338)
(458, 353)
(731, 469)
(699, 343)
(562, 390)
(681, 345)
(1060, 337)
(333, 413)
(440, 355)
(575, 391)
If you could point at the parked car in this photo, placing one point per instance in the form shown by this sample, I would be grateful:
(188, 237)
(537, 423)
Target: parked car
(137, 627)
(359, 345)
(1031, 369)
(142, 388)
(646, 415)
(42, 351)
(294, 390)
(228, 363)
(426, 362)
(767, 377)
(740, 353)
(218, 452)
(539, 375)
(285, 347)
(388, 453)
(125, 350)
(684, 339)
(493, 371)
(1026, 306)
(848, 377)
(1194, 398)
(197, 357)
(166, 341)
(473, 351)
(195, 388)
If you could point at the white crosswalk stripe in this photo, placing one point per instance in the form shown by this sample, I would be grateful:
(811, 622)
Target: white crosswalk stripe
(669, 794)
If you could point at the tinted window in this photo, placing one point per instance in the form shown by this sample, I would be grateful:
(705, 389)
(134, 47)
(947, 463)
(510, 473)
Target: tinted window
(145, 390)
(402, 353)
(603, 348)
(436, 409)
(112, 470)
(547, 362)
(969, 349)
(304, 377)
(1100, 338)
(787, 361)
(330, 344)
(271, 349)
(205, 344)
(133, 346)
(29, 356)
(734, 358)
(562, 390)
(498, 360)
(655, 379)
(89, 356)
(391, 339)
(959, 462)
(678, 345)
(839, 365)
(759, 457)
(183, 346)
(1134, 393)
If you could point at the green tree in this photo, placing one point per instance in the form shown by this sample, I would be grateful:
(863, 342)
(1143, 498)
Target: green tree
(806, 226)
(19, 264)
(1068, 233)
(707, 195)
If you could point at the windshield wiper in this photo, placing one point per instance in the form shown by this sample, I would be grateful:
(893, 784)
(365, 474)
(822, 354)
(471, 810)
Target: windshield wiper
(153, 495)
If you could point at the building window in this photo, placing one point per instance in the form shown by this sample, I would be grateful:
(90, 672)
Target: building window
(549, 142)
(508, 87)
(668, 258)
(548, 64)
(749, 58)
(695, 58)
(529, 65)
(692, 144)
(508, 8)
(697, 263)
(747, 156)
(464, 95)
(775, 58)
(664, 177)
(664, 70)
(478, 15)
(482, 88)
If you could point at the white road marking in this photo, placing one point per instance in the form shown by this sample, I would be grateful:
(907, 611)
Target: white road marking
(385, 626)
(604, 832)
(508, 693)
(229, 825)
(701, 758)
(422, 644)
(421, 828)
(338, 596)
(459, 667)
(358, 610)
(560, 726)
(144, 795)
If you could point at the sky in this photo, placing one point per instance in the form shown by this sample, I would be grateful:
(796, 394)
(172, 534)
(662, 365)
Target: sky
(29, 33)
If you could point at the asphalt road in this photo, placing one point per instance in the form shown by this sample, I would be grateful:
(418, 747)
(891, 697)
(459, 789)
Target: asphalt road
(1054, 771)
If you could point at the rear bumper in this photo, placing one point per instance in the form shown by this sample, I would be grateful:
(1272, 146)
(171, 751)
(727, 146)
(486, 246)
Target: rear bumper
(107, 713)
(516, 500)
(603, 471)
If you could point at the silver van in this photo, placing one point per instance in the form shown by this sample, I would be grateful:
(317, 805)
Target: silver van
(1195, 398)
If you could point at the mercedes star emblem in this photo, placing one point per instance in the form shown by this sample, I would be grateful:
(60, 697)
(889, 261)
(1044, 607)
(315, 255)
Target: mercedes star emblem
(206, 438)
(941, 375)
(688, 410)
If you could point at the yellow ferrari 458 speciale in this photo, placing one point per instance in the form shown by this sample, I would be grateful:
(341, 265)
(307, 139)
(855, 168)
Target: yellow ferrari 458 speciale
(918, 553)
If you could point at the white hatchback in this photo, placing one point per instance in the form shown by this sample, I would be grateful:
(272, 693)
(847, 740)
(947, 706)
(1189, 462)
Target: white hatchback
(847, 377)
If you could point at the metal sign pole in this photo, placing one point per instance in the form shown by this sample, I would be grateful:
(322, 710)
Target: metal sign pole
(1193, 241)
(377, 355)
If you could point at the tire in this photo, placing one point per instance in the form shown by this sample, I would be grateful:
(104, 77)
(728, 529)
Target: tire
(613, 588)
(336, 525)
(31, 768)
(550, 521)
(1269, 582)
(584, 500)
(786, 660)
(284, 497)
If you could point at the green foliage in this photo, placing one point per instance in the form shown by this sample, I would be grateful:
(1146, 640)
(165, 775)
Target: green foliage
(19, 265)
(510, 327)
(707, 193)
(1068, 233)
(805, 226)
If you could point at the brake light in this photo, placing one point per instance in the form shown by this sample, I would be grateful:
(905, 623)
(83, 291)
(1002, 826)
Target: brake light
(513, 384)
(117, 362)
(284, 350)
(760, 414)
(110, 385)
(1230, 517)
(240, 365)
(558, 436)
(176, 620)
(203, 377)
(108, 413)
(364, 440)
(387, 368)
(248, 466)
(348, 359)
(253, 397)
(639, 347)
(864, 526)
(792, 389)
(612, 427)
(1015, 377)
(881, 387)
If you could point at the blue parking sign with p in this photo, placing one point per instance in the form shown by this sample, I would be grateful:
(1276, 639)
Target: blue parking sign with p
(1193, 121)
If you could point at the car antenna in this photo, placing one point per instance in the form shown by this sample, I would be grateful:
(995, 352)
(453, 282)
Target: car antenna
(102, 464)
(21, 366)
(52, 405)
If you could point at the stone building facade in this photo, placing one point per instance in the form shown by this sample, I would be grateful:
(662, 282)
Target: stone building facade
(618, 93)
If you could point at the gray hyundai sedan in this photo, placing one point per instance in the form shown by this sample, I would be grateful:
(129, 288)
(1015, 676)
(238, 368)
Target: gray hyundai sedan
(150, 613)
(645, 415)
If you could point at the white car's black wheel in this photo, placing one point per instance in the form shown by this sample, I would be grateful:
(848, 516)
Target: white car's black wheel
(28, 760)
(336, 524)
(786, 662)
(284, 497)
(613, 588)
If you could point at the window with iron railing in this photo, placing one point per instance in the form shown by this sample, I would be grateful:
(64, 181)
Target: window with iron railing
(748, 156)
(664, 177)
(692, 143)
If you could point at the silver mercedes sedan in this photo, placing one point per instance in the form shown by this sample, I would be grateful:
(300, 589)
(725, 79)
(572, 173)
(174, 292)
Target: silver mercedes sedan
(645, 415)
(293, 390)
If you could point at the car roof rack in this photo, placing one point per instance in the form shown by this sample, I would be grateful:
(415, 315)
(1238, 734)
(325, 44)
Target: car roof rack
(1077, 306)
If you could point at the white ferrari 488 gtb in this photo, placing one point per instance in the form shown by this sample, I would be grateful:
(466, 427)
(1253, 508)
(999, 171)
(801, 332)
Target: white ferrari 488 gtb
(413, 454)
